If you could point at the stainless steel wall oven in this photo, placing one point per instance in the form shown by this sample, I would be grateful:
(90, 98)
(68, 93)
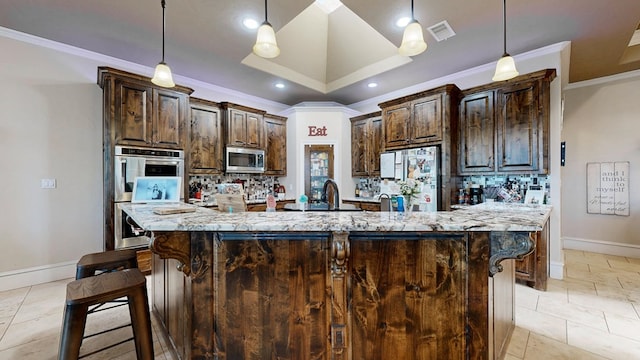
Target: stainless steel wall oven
(131, 162)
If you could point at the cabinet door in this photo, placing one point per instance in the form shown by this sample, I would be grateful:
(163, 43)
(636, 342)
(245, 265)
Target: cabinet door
(408, 294)
(476, 143)
(374, 146)
(396, 124)
(253, 130)
(206, 140)
(167, 127)
(237, 128)
(133, 113)
(426, 125)
(276, 146)
(359, 147)
(518, 126)
(270, 300)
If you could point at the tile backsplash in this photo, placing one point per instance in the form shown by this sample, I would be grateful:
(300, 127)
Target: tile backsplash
(256, 187)
(511, 188)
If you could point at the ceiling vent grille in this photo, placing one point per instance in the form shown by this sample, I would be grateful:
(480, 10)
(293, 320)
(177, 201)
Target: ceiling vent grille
(441, 31)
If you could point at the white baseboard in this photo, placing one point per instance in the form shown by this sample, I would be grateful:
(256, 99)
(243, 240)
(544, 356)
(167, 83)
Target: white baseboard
(37, 275)
(602, 247)
(556, 270)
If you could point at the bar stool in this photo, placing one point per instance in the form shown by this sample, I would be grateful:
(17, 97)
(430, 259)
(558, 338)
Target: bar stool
(92, 290)
(93, 264)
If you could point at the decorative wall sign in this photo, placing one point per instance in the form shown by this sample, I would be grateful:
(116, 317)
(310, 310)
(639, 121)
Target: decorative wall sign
(608, 188)
(317, 131)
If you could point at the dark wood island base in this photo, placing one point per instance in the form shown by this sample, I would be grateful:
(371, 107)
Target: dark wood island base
(337, 295)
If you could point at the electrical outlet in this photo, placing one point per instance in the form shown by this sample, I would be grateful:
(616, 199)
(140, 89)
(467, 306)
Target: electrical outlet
(48, 183)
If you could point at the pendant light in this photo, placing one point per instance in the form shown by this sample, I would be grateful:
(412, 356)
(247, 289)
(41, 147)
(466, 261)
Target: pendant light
(162, 76)
(412, 39)
(506, 66)
(266, 45)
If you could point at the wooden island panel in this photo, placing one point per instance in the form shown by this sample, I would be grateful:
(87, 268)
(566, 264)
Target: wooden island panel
(333, 295)
(409, 295)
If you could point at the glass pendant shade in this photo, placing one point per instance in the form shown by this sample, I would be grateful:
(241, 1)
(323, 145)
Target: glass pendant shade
(266, 45)
(412, 40)
(505, 69)
(162, 76)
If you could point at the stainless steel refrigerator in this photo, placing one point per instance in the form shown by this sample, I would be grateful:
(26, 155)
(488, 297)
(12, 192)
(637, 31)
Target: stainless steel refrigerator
(420, 164)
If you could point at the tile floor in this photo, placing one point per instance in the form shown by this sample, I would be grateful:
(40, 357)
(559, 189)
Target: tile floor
(594, 313)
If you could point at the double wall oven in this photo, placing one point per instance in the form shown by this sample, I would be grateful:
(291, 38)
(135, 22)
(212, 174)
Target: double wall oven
(131, 162)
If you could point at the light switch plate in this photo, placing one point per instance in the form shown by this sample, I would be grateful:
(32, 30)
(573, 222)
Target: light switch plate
(48, 183)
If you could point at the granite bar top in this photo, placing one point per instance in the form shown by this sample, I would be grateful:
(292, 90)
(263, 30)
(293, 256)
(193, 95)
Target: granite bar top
(482, 217)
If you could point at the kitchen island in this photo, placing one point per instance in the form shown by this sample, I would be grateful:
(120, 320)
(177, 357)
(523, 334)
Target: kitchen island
(338, 285)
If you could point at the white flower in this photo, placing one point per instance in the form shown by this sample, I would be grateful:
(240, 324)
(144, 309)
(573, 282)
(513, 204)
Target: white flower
(410, 188)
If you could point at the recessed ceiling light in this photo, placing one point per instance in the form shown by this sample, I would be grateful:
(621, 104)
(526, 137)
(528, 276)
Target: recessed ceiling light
(279, 85)
(372, 84)
(403, 21)
(250, 23)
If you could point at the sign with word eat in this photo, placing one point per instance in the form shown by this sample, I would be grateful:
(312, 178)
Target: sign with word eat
(608, 188)
(317, 131)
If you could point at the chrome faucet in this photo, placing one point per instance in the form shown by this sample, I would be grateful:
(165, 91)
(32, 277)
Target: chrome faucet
(336, 194)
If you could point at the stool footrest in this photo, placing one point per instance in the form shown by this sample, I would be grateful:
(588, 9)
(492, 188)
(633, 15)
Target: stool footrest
(105, 348)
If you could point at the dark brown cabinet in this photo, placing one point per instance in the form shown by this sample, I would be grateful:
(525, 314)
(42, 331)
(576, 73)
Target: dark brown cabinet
(477, 139)
(364, 205)
(366, 144)
(148, 116)
(413, 122)
(275, 128)
(532, 269)
(205, 145)
(505, 127)
(167, 292)
(243, 126)
(519, 127)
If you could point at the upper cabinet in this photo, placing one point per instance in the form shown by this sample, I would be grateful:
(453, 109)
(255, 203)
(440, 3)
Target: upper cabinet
(418, 119)
(141, 114)
(477, 139)
(243, 126)
(504, 127)
(366, 144)
(275, 129)
(206, 145)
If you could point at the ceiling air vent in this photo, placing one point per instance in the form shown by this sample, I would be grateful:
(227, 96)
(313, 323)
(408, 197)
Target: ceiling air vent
(441, 31)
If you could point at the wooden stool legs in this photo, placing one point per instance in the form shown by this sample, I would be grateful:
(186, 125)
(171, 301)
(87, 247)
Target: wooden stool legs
(141, 323)
(83, 293)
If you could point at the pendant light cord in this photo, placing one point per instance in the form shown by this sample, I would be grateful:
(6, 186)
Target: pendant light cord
(163, 25)
(265, 12)
(504, 27)
(412, 17)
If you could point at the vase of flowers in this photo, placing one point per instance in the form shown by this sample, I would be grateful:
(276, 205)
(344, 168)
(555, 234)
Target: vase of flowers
(410, 189)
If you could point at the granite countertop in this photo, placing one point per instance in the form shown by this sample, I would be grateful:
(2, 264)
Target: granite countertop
(482, 217)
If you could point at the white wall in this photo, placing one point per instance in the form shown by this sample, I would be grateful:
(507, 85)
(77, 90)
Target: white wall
(601, 124)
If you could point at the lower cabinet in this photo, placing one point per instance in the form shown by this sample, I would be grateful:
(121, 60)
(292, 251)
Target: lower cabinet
(263, 207)
(168, 301)
(532, 270)
(364, 205)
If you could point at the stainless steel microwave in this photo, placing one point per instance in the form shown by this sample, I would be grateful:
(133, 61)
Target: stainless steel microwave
(243, 160)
